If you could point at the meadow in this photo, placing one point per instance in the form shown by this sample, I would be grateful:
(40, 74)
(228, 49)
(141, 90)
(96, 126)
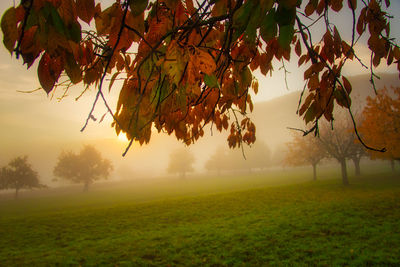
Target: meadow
(276, 218)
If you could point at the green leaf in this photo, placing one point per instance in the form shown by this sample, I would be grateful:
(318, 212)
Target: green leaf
(285, 16)
(241, 18)
(74, 32)
(56, 19)
(310, 114)
(138, 6)
(269, 28)
(246, 77)
(285, 35)
(254, 23)
(72, 69)
(211, 81)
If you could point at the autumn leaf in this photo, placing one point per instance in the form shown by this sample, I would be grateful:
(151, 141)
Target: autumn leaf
(85, 10)
(9, 29)
(72, 69)
(49, 70)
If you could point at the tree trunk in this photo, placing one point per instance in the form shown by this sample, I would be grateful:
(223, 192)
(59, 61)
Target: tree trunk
(16, 193)
(356, 162)
(314, 171)
(343, 166)
(86, 186)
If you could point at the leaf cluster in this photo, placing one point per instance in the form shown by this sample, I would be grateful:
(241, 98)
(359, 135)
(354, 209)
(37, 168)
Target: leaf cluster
(187, 64)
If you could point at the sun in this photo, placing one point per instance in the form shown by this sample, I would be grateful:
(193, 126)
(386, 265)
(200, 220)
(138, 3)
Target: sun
(122, 137)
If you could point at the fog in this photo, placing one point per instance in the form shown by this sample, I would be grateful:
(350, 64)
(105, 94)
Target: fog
(42, 126)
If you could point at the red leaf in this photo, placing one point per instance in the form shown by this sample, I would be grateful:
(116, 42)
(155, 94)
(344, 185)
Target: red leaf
(49, 70)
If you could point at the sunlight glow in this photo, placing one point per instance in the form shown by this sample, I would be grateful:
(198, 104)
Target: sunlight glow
(122, 137)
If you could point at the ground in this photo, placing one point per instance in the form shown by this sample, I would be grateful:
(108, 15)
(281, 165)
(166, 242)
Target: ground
(275, 218)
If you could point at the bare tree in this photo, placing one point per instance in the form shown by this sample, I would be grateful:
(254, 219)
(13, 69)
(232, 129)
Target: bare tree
(341, 143)
(18, 174)
(85, 167)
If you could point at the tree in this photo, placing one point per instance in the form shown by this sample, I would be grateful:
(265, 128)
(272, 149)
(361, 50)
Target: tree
(305, 150)
(181, 161)
(185, 64)
(18, 174)
(341, 144)
(217, 161)
(85, 167)
(381, 124)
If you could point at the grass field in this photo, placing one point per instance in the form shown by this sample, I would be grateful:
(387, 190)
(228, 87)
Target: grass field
(276, 218)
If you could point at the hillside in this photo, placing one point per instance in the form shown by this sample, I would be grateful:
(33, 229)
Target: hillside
(273, 117)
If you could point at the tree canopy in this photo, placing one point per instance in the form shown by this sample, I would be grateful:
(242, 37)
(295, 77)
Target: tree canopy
(181, 161)
(18, 174)
(185, 64)
(381, 124)
(305, 150)
(85, 167)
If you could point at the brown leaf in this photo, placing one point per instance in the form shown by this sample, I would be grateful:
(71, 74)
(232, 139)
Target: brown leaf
(297, 48)
(85, 10)
(347, 85)
(361, 21)
(352, 4)
(310, 8)
(9, 29)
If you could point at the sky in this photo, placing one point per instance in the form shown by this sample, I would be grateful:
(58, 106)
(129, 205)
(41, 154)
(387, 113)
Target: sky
(42, 127)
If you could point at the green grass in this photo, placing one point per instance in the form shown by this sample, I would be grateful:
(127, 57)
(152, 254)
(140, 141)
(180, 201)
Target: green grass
(250, 220)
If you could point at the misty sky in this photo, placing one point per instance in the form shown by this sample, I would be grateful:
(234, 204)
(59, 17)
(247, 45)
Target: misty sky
(40, 126)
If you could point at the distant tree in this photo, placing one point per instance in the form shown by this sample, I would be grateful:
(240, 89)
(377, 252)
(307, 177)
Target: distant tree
(303, 150)
(85, 167)
(217, 161)
(341, 144)
(381, 124)
(181, 161)
(18, 174)
(258, 156)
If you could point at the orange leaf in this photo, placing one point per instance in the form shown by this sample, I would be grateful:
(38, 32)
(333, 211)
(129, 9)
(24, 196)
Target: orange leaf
(85, 10)
(205, 62)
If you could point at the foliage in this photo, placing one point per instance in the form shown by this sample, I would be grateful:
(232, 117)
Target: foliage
(316, 224)
(181, 161)
(381, 124)
(18, 174)
(304, 150)
(186, 64)
(85, 167)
